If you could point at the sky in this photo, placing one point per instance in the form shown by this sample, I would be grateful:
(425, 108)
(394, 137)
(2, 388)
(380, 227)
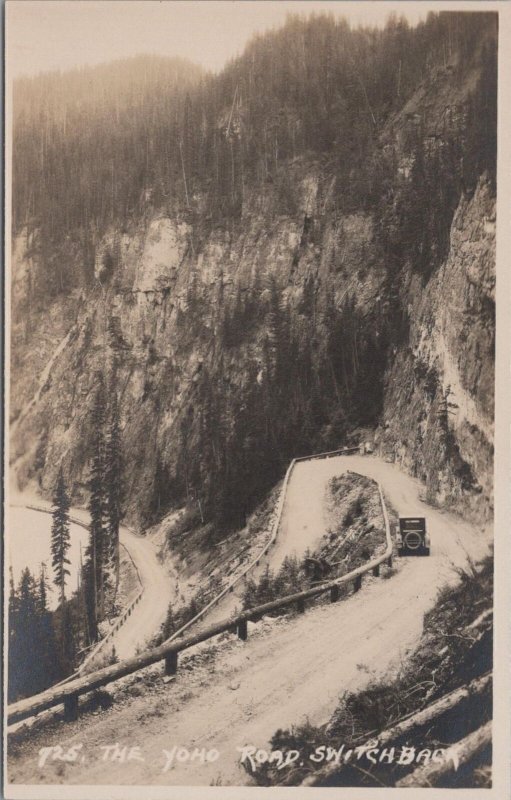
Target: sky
(44, 35)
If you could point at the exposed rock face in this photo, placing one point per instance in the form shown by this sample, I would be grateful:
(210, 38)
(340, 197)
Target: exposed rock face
(155, 324)
(166, 244)
(154, 320)
(438, 416)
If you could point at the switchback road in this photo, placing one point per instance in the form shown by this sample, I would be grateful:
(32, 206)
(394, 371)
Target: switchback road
(234, 693)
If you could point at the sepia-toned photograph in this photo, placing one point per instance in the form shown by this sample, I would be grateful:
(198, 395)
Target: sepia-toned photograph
(250, 304)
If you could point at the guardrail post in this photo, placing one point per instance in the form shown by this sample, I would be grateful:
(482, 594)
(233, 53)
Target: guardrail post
(171, 663)
(300, 605)
(376, 571)
(242, 630)
(389, 561)
(71, 708)
(358, 583)
(334, 594)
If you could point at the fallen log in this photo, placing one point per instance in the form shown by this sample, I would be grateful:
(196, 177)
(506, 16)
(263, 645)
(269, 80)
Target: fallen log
(466, 749)
(411, 722)
(431, 712)
(481, 618)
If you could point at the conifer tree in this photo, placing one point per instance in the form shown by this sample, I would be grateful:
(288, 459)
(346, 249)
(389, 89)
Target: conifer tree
(32, 664)
(96, 549)
(12, 591)
(66, 633)
(113, 485)
(43, 590)
(47, 645)
(22, 609)
(275, 323)
(60, 538)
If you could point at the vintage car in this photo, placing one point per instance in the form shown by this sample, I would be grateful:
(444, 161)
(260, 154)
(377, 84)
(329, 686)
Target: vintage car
(412, 537)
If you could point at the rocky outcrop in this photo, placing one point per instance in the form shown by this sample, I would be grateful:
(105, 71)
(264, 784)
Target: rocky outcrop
(439, 397)
(155, 325)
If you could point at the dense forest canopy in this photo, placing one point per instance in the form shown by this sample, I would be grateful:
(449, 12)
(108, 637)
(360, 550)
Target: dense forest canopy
(94, 146)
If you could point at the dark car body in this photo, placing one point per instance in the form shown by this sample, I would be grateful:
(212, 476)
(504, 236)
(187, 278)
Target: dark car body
(412, 537)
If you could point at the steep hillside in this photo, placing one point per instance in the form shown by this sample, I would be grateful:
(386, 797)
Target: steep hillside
(438, 415)
(313, 270)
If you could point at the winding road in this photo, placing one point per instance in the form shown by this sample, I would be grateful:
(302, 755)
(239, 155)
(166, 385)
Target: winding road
(231, 693)
(151, 611)
(155, 579)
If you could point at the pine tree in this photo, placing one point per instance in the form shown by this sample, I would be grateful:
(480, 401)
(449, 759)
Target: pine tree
(32, 664)
(12, 591)
(94, 570)
(13, 665)
(275, 324)
(43, 590)
(50, 669)
(22, 610)
(113, 485)
(66, 634)
(60, 538)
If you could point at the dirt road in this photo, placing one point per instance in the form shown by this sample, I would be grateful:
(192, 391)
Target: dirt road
(157, 580)
(288, 671)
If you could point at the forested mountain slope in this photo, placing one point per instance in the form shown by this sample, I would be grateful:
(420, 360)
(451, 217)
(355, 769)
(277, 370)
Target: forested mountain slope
(259, 263)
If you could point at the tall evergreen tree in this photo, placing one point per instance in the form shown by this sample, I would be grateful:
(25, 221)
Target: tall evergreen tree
(94, 577)
(12, 590)
(32, 663)
(113, 485)
(23, 609)
(60, 538)
(43, 590)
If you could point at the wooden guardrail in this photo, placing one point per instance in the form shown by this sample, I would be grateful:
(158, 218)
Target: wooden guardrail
(255, 561)
(69, 693)
(274, 531)
(111, 633)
